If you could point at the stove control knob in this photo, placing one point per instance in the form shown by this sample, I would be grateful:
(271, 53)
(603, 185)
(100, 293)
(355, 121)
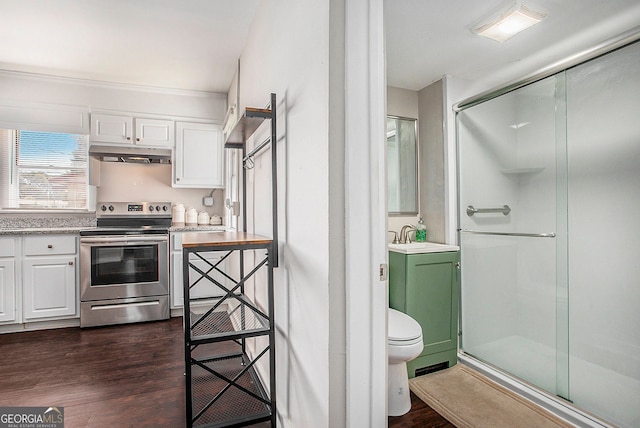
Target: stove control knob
(111, 208)
(164, 208)
(158, 208)
(150, 207)
(103, 208)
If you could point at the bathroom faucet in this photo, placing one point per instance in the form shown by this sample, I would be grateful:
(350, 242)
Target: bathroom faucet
(395, 236)
(404, 234)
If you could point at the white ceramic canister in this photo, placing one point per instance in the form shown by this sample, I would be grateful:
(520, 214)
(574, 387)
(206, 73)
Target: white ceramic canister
(191, 218)
(177, 214)
(203, 218)
(216, 220)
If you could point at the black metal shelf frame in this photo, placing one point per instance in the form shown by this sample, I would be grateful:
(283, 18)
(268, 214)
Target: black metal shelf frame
(241, 321)
(223, 388)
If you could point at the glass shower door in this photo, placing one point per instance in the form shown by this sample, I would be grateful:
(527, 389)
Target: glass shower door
(603, 142)
(512, 190)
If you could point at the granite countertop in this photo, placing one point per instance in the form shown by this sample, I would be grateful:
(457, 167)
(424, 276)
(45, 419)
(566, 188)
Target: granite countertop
(31, 226)
(45, 225)
(43, 230)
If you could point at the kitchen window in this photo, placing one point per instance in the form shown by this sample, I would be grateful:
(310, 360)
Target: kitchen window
(43, 170)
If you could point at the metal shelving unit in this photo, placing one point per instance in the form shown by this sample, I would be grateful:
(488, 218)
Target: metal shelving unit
(230, 342)
(248, 123)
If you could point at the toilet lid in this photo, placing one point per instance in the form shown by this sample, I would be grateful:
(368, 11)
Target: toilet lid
(402, 327)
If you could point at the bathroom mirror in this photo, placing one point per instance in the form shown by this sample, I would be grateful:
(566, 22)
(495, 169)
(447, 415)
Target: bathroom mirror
(402, 166)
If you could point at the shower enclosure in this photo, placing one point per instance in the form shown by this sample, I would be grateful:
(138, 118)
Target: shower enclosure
(549, 196)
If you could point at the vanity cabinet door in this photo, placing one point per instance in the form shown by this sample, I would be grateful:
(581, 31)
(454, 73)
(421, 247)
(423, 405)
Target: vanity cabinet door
(426, 287)
(432, 299)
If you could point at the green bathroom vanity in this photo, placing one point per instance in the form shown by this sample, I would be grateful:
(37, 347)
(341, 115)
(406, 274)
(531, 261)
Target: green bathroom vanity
(424, 282)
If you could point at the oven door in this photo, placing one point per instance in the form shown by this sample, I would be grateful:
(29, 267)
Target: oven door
(123, 266)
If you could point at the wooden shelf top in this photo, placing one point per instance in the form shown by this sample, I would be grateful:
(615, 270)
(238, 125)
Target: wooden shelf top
(247, 125)
(220, 239)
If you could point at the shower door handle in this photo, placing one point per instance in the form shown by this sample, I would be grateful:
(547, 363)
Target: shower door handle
(527, 235)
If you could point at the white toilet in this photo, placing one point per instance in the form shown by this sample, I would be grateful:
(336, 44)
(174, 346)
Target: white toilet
(404, 343)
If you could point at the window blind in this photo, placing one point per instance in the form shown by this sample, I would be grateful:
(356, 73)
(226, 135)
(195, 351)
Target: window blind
(50, 170)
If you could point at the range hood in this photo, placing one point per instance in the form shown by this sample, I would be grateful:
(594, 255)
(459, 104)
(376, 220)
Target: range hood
(130, 154)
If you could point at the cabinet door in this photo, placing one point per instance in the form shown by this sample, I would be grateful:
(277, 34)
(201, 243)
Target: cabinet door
(198, 161)
(109, 128)
(204, 287)
(7, 290)
(432, 298)
(49, 287)
(154, 132)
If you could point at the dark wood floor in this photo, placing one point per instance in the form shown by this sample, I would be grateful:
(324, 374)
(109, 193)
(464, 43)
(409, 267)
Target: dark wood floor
(120, 376)
(420, 416)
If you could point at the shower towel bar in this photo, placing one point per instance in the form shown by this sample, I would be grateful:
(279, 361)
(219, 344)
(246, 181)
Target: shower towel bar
(528, 235)
(503, 209)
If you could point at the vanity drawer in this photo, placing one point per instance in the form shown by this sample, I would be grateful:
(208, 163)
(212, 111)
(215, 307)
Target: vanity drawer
(49, 244)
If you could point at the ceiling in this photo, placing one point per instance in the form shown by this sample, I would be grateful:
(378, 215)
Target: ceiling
(427, 39)
(195, 44)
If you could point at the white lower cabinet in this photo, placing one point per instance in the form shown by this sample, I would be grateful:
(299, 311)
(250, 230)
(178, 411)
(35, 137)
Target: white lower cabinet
(38, 278)
(203, 288)
(7, 290)
(49, 287)
(7, 280)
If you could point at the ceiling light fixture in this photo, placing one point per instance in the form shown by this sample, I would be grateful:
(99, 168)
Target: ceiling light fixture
(508, 23)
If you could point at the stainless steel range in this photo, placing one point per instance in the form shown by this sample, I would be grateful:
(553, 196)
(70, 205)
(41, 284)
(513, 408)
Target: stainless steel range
(124, 268)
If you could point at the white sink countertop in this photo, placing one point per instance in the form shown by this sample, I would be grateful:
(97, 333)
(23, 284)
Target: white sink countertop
(422, 248)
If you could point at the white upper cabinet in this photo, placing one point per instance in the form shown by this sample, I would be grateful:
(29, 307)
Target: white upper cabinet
(108, 128)
(198, 158)
(154, 132)
(120, 129)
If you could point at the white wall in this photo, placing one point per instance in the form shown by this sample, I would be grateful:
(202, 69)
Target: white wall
(121, 182)
(432, 160)
(294, 65)
(18, 88)
(331, 356)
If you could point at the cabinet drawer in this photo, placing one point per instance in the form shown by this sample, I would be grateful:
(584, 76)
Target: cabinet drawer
(51, 244)
(7, 247)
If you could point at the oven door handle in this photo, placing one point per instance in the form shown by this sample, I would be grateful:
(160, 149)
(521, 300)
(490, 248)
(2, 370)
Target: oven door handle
(121, 240)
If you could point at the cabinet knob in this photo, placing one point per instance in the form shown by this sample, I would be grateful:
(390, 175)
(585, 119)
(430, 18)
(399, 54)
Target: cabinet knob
(128, 138)
(137, 139)
(70, 263)
(50, 246)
